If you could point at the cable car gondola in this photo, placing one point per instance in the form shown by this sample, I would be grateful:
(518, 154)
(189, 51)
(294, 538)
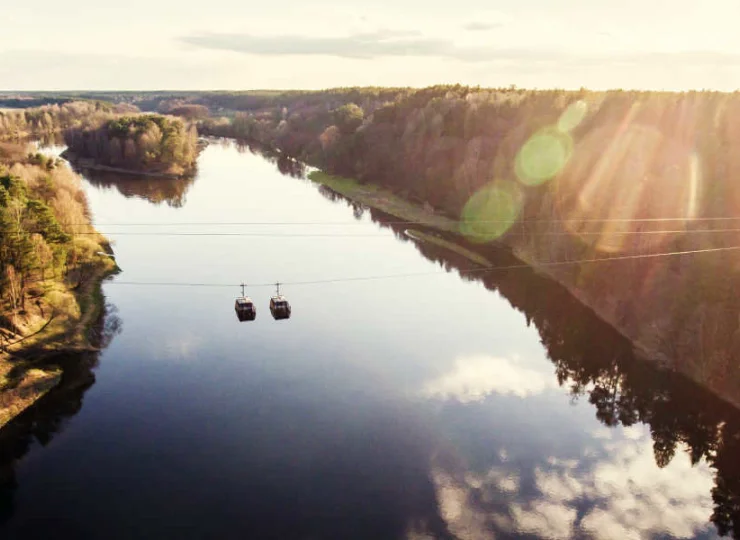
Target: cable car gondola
(279, 306)
(245, 309)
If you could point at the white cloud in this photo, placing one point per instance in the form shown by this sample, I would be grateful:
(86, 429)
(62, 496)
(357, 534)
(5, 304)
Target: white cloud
(475, 377)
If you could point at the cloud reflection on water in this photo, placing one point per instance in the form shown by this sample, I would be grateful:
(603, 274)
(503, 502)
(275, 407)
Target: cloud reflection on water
(475, 377)
(612, 491)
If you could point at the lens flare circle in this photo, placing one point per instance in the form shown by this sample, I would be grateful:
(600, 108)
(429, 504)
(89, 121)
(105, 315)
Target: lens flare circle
(491, 211)
(572, 116)
(543, 156)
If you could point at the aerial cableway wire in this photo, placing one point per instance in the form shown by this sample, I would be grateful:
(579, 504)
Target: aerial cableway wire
(378, 235)
(482, 270)
(407, 222)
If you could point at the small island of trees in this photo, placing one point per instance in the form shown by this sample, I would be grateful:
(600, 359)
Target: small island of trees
(147, 143)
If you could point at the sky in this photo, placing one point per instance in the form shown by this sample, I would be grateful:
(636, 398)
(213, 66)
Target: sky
(235, 44)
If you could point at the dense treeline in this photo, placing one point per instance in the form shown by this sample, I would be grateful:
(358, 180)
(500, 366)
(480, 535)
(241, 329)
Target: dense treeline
(145, 101)
(20, 124)
(15, 102)
(297, 100)
(152, 143)
(299, 116)
(190, 111)
(444, 143)
(218, 102)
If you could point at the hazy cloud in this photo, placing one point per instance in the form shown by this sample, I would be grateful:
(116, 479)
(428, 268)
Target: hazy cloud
(35, 69)
(367, 45)
(388, 43)
(688, 58)
(481, 26)
(362, 45)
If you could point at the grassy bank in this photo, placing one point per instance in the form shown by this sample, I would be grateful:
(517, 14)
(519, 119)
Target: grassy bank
(390, 203)
(384, 200)
(470, 255)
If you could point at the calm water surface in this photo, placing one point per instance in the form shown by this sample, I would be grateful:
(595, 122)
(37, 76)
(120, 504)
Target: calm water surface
(412, 407)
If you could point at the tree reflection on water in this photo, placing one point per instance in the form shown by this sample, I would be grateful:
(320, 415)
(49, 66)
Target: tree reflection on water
(156, 190)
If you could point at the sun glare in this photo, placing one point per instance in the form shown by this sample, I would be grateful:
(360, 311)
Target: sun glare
(613, 196)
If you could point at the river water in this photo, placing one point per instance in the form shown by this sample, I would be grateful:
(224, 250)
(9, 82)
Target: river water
(424, 406)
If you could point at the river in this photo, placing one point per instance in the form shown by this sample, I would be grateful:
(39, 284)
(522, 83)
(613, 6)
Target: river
(422, 405)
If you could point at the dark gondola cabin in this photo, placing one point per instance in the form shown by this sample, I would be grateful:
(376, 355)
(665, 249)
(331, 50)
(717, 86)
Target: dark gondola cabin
(279, 307)
(245, 309)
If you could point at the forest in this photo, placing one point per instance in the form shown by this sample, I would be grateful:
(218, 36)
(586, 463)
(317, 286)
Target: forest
(46, 237)
(51, 262)
(24, 123)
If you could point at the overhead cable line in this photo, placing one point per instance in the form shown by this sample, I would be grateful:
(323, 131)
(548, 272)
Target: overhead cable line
(473, 234)
(379, 235)
(482, 270)
(402, 222)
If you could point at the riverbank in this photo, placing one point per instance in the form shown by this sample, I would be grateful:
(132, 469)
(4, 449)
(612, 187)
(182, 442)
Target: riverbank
(58, 322)
(470, 255)
(89, 164)
(385, 200)
(54, 262)
(388, 202)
